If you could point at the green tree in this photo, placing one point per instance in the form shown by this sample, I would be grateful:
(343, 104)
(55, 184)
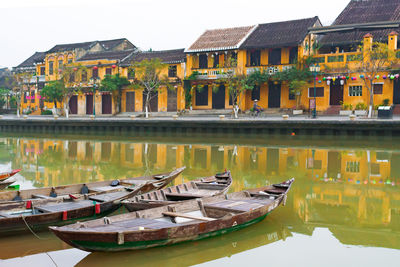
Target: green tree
(377, 58)
(21, 83)
(148, 77)
(297, 78)
(114, 84)
(236, 83)
(54, 92)
(69, 76)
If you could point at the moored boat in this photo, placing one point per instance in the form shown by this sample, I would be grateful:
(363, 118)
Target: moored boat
(204, 187)
(6, 175)
(185, 221)
(4, 184)
(61, 206)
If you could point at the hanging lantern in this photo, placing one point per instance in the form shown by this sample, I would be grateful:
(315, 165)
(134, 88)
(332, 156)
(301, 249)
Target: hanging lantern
(391, 77)
(384, 77)
(75, 69)
(353, 78)
(324, 78)
(377, 77)
(328, 82)
(334, 79)
(316, 78)
(397, 76)
(362, 76)
(347, 77)
(95, 67)
(341, 82)
(329, 78)
(113, 66)
(319, 81)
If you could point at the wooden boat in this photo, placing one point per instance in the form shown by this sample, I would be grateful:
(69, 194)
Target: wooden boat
(6, 175)
(100, 198)
(203, 187)
(185, 221)
(5, 183)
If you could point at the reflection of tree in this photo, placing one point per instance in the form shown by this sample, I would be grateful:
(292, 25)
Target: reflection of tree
(53, 160)
(112, 172)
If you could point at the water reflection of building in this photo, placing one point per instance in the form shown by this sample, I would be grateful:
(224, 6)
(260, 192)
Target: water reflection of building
(333, 187)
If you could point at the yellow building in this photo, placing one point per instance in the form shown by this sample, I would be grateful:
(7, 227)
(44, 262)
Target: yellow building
(270, 47)
(164, 100)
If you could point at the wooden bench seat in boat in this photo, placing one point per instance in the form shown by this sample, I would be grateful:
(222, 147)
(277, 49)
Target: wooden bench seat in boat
(5, 215)
(132, 225)
(105, 188)
(41, 196)
(65, 206)
(134, 182)
(109, 196)
(239, 205)
(188, 216)
(210, 186)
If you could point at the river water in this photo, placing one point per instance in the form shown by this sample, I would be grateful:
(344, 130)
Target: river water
(343, 209)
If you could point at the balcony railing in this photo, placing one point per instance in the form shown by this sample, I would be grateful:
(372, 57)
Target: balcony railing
(338, 57)
(35, 79)
(218, 73)
(271, 69)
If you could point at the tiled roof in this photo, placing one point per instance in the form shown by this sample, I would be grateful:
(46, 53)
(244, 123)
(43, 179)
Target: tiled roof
(107, 44)
(30, 62)
(220, 39)
(70, 47)
(279, 34)
(166, 56)
(364, 11)
(109, 55)
(110, 44)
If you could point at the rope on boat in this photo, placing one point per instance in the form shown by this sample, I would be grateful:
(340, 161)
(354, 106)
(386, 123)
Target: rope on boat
(30, 229)
(52, 259)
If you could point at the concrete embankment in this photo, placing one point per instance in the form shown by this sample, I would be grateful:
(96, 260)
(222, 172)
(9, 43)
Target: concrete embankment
(204, 125)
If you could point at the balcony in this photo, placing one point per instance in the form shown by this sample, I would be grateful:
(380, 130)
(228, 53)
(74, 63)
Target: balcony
(339, 58)
(36, 79)
(271, 69)
(214, 73)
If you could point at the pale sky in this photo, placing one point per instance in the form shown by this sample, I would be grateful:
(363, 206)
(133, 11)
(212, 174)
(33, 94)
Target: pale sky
(37, 25)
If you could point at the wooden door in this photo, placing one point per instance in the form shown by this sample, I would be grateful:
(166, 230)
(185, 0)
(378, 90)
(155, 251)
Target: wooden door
(73, 104)
(106, 104)
(153, 101)
(396, 92)
(130, 102)
(274, 95)
(89, 104)
(218, 98)
(336, 93)
(172, 100)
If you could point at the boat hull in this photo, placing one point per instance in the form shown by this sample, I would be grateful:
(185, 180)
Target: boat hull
(41, 222)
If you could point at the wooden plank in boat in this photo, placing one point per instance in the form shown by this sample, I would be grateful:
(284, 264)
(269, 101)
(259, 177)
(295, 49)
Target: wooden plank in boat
(105, 188)
(187, 216)
(65, 206)
(236, 206)
(109, 196)
(132, 224)
(40, 196)
(135, 182)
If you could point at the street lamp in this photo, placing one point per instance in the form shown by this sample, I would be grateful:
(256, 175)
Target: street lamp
(315, 69)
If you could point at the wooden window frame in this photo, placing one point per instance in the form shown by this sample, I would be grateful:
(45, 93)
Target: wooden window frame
(311, 92)
(353, 91)
(381, 89)
(172, 71)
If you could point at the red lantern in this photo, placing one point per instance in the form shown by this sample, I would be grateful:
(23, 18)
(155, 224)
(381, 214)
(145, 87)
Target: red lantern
(75, 69)
(114, 66)
(95, 67)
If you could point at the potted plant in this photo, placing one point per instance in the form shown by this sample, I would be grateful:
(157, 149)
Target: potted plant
(361, 109)
(347, 109)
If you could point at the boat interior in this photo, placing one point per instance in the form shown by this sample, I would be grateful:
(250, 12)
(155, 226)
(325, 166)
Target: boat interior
(188, 212)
